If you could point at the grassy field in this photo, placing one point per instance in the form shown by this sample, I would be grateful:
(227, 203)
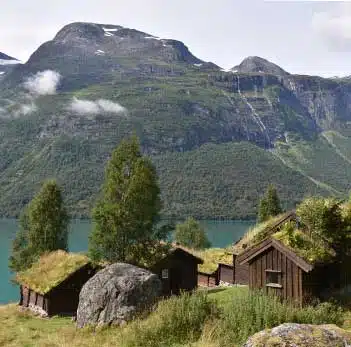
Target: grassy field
(224, 317)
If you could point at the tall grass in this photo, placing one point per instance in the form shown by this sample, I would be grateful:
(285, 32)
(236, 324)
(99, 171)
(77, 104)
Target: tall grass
(250, 312)
(177, 320)
(204, 319)
(221, 321)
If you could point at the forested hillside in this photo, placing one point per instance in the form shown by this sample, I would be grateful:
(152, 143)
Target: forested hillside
(217, 138)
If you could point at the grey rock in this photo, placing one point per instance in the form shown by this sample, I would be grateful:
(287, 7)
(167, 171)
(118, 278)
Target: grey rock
(116, 294)
(301, 335)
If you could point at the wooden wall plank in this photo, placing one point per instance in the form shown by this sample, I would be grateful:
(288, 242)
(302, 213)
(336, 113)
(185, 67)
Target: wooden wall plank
(288, 278)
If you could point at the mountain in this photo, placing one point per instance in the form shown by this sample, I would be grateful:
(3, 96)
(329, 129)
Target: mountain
(259, 65)
(6, 64)
(217, 138)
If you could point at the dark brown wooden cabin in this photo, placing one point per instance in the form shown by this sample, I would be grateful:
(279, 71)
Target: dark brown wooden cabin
(277, 270)
(240, 268)
(177, 271)
(63, 298)
(225, 273)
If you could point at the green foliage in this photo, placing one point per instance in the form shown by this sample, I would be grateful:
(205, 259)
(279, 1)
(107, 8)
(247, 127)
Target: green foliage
(312, 250)
(43, 227)
(191, 234)
(324, 219)
(269, 205)
(127, 212)
(225, 181)
(321, 217)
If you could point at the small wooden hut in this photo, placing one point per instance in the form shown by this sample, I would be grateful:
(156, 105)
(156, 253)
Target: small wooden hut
(282, 271)
(278, 270)
(263, 231)
(52, 285)
(177, 270)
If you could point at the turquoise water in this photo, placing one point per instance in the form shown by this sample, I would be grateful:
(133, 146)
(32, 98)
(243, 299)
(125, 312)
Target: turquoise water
(220, 233)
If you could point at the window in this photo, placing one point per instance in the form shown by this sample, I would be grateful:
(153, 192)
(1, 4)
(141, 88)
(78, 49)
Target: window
(273, 278)
(164, 273)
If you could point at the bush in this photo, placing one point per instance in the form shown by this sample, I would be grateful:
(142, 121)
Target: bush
(250, 312)
(176, 320)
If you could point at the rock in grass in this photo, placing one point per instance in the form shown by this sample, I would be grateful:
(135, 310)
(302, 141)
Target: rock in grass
(116, 294)
(301, 335)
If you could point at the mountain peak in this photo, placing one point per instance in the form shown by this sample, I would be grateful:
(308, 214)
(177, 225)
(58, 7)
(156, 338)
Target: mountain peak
(79, 30)
(254, 64)
(7, 60)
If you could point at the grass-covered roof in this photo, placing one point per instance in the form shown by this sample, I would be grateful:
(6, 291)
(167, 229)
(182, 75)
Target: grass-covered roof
(50, 270)
(311, 249)
(257, 233)
(212, 257)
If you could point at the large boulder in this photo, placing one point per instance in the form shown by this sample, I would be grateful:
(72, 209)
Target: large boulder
(301, 335)
(116, 294)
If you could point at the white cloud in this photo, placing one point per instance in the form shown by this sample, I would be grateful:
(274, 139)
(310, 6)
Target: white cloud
(88, 107)
(334, 27)
(43, 82)
(25, 109)
(110, 106)
(84, 106)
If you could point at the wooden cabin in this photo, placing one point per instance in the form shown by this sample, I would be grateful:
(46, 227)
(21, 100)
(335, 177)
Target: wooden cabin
(278, 270)
(241, 269)
(177, 271)
(52, 285)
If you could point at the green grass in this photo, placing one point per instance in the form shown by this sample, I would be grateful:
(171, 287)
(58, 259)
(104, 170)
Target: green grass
(220, 317)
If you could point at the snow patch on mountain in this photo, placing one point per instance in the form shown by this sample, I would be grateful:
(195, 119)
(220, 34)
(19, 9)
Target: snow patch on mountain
(110, 29)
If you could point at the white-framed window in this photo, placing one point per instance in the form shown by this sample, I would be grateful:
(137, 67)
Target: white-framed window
(164, 273)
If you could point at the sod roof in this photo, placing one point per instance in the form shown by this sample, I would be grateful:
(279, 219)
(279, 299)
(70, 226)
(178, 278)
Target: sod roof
(259, 232)
(212, 257)
(50, 270)
(312, 250)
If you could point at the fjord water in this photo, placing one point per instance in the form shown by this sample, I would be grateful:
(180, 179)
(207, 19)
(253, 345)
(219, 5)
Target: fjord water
(220, 233)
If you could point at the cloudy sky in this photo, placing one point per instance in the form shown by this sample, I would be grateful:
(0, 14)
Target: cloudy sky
(307, 37)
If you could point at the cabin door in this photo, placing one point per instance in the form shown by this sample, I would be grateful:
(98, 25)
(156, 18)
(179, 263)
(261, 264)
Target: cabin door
(175, 281)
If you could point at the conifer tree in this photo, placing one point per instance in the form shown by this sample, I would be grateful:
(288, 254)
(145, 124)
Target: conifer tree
(269, 205)
(43, 227)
